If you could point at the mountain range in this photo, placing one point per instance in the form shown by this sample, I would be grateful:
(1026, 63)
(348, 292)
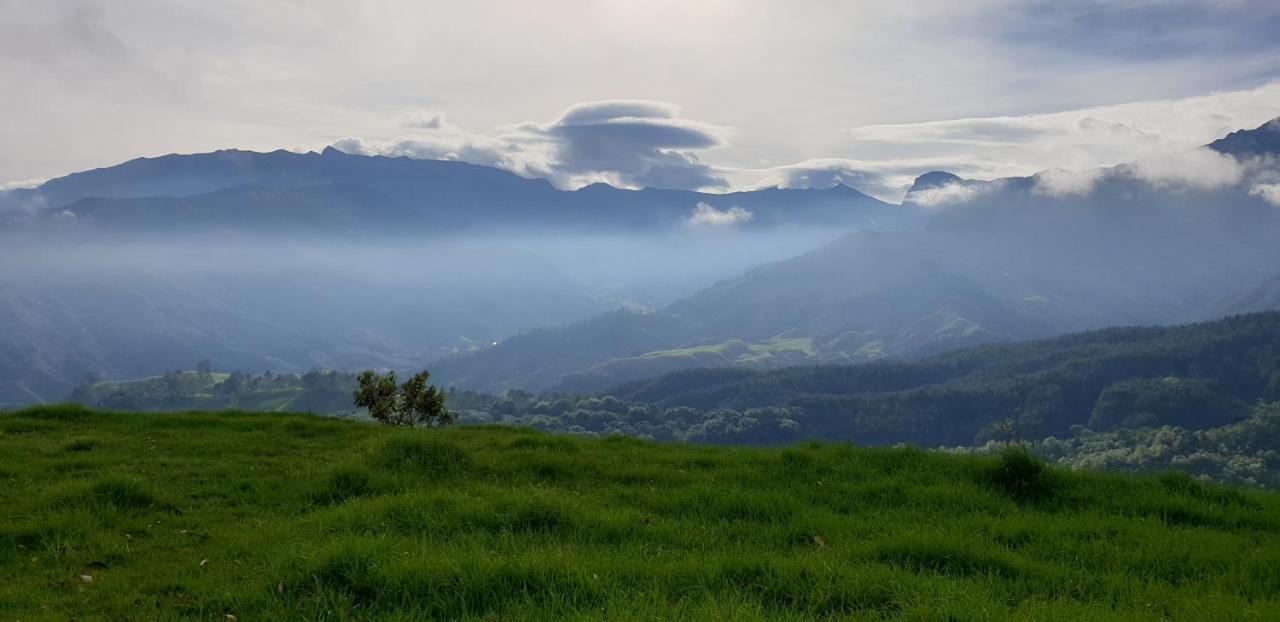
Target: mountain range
(1004, 260)
(289, 261)
(346, 194)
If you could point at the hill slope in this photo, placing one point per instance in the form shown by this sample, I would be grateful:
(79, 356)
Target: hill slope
(1197, 377)
(200, 516)
(991, 261)
(1264, 297)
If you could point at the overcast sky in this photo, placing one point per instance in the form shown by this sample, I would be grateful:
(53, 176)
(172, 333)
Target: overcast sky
(717, 94)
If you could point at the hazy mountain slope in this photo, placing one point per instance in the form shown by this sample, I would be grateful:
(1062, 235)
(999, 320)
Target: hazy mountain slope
(962, 262)
(345, 261)
(996, 261)
(913, 293)
(912, 302)
(122, 322)
(1264, 297)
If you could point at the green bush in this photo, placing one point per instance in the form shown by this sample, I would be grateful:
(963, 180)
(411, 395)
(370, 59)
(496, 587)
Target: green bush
(1022, 476)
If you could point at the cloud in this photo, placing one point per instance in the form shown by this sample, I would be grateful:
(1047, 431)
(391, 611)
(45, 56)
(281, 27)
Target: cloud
(887, 180)
(423, 119)
(1061, 182)
(1201, 169)
(1184, 169)
(706, 215)
(445, 141)
(1269, 193)
(640, 143)
(14, 199)
(1082, 139)
(20, 184)
(1065, 151)
(821, 173)
(631, 143)
(625, 143)
(946, 194)
(187, 76)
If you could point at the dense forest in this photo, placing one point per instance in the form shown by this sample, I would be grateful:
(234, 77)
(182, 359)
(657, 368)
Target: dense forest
(1238, 453)
(1196, 376)
(1078, 397)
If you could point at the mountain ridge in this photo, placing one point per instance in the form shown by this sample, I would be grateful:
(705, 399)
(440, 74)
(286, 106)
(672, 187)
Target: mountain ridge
(443, 192)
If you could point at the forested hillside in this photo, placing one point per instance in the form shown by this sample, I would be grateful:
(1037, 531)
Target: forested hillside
(1195, 376)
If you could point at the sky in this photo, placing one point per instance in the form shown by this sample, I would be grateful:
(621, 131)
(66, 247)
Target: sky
(712, 94)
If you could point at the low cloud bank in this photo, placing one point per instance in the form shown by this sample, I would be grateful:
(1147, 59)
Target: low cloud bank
(1193, 169)
(707, 215)
(639, 143)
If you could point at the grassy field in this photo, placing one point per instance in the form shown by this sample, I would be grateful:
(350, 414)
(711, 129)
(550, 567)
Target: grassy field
(282, 517)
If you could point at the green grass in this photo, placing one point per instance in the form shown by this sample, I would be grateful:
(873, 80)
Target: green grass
(288, 517)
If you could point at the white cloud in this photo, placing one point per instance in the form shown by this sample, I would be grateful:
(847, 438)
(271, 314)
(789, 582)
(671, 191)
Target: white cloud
(1078, 140)
(1059, 182)
(1065, 151)
(1197, 169)
(887, 180)
(11, 200)
(625, 143)
(1202, 169)
(638, 143)
(631, 143)
(1269, 193)
(440, 140)
(22, 184)
(705, 214)
(946, 194)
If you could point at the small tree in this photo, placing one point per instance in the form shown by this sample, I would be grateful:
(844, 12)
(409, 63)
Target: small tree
(415, 402)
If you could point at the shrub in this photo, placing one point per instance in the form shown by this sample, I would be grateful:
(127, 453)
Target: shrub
(1022, 476)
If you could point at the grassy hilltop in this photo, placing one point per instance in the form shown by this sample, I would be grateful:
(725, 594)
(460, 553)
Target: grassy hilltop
(286, 517)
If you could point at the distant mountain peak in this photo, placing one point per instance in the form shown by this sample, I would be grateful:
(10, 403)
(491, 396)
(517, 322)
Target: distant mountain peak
(842, 187)
(934, 179)
(1260, 141)
(598, 186)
